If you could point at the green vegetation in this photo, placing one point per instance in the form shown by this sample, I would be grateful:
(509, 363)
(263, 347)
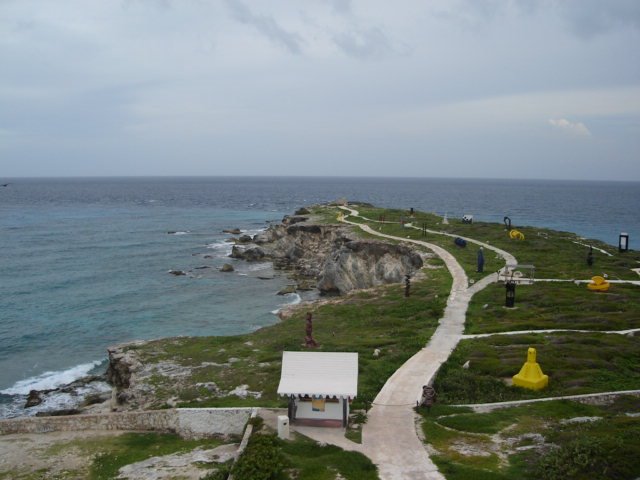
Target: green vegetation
(135, 447)
(555, 306)
(531, 441)
(310, 461)
(576, 364)
(262, 459)
(549, 440)
(380, 318)
(553, 253)
(268, 458)
(101, 456)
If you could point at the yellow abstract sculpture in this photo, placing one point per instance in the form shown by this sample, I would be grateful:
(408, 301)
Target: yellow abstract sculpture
(598, 284)
(516, 235)
(531, 375)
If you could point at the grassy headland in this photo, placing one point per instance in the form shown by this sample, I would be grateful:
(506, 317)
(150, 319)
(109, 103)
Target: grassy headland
(380, 318)
(521, 442)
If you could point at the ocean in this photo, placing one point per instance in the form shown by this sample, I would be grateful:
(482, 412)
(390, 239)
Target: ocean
(86, 260)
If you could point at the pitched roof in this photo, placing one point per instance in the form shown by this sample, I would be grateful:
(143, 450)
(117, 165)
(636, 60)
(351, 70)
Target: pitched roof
(319, 373)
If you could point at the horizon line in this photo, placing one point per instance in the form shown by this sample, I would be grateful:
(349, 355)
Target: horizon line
(373, 177)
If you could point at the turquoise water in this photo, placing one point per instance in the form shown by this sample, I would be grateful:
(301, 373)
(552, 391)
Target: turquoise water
(85, 261)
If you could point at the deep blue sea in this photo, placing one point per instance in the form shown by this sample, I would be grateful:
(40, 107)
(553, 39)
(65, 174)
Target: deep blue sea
(85, 261)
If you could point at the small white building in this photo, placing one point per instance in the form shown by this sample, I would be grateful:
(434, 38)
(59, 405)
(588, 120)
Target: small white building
(320, 386)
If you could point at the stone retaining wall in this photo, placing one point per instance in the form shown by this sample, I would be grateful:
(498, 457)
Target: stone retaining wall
(186, 422)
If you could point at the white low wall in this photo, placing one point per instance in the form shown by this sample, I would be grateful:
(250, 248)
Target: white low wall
(186, 422)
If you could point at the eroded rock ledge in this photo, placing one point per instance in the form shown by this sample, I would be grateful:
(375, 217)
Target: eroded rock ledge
(330, 255)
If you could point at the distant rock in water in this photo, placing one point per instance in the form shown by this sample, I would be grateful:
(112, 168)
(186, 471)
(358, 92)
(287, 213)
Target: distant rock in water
(34, 398)
(177, 272)
(227, 267)
(232, 231)
(251, 254)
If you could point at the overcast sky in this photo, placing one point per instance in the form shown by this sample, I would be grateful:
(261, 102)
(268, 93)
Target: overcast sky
(451, 88)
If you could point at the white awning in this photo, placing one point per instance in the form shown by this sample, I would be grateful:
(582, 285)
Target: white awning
(325, 374)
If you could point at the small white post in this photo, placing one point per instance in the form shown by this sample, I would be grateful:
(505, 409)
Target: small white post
(283, 427)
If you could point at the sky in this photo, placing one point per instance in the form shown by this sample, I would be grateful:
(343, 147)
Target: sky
(546, 89)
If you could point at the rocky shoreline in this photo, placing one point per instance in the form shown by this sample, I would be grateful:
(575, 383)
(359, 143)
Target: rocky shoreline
(328, 258)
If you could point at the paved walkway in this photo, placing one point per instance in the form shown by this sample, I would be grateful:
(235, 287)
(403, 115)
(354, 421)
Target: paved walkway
(488, 407)
(389, 437)
(551, 330)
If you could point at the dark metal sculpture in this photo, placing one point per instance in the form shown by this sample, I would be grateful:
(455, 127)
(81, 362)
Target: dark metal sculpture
(308, 339)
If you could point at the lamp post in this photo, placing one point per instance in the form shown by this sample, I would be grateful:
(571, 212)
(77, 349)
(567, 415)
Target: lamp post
(623, 242)
(510, 288)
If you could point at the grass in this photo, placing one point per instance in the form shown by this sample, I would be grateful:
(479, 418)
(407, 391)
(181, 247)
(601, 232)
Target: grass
(311, 461)
(555, 306)
(569, 360)
(478, 446)
(381, 318)
(109, 454)
(553, 253)
(537, 442)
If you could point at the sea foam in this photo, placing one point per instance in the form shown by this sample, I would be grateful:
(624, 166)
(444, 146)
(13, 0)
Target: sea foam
(293, 299)
(51, 380)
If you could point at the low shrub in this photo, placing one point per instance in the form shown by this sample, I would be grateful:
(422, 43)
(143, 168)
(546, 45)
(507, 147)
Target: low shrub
(262, 459)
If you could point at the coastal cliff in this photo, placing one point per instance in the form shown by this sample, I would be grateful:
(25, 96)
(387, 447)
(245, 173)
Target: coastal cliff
(329, 255)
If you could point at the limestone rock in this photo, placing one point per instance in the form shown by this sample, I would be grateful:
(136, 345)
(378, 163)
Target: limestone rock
(363, 264)
(329, 257)
(288, 289)
(250, 254)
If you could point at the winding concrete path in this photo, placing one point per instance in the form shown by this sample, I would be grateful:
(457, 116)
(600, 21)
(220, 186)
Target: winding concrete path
(389, 437)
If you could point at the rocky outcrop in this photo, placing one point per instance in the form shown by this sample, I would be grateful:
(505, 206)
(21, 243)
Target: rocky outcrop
(125, 372)
(329, 256)
(363, 264)
(251, 254)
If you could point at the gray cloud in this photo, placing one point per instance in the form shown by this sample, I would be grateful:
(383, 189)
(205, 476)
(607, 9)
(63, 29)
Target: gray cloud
(371, 43)
(342, 7)
(589, 18)
(95, 88)
(267, 26)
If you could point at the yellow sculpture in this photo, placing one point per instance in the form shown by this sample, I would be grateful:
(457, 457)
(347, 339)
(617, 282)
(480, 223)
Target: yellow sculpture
(516, 234)
(598, 284)
(341, 217)
(531, 375)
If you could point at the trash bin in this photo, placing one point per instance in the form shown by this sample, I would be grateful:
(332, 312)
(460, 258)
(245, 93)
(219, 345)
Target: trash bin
(510, 300)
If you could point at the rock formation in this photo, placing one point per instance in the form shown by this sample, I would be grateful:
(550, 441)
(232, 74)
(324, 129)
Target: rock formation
(329, 256)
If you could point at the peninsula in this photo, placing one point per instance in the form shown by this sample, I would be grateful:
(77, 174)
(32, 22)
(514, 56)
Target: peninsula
(402, 291)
